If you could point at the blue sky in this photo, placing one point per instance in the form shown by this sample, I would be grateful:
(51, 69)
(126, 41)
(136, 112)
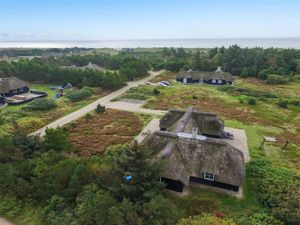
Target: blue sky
(147, 19)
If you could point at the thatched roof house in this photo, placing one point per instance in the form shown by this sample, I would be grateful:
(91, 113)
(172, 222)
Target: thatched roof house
(217, 77)
(192, 146)
(11, 86)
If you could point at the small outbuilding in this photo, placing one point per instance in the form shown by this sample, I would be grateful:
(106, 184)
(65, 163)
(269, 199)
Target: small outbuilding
(193, 149)
(217, 77)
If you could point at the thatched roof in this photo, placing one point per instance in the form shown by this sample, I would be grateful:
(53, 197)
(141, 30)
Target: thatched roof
(11, 83)
(186, 156)
(206, 123)
(199, 75)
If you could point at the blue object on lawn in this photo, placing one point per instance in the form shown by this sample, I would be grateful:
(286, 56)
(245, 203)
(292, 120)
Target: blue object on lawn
(128, 178)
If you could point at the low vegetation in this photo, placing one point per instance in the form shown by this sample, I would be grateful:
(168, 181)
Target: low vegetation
(93, 135)
(40, 104)
(45, 181)
(36, 114)
(78, 95)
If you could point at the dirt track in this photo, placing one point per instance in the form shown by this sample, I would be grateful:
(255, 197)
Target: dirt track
(4, 222)
(103, 101)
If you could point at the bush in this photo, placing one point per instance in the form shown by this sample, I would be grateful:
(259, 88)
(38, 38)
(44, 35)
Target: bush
(282, 104)
(263, 74)
(276, 188)
(276, 79)
(251, 101)
(194, 97)
(30, 124)
(78, 95)
(40, 104)
(100, 109)
(156, 91)
(10, 207)
(57, 139)
(88, 116)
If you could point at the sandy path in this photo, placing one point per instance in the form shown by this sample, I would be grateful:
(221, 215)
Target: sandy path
(4, 222)
(103, 101)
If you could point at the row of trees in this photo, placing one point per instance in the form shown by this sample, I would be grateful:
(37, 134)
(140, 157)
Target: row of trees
(50, 71)
(246, 62)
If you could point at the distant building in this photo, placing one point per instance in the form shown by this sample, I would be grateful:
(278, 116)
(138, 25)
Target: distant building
(11, 86)
(89, 66)
(217, 77)
(193, 149)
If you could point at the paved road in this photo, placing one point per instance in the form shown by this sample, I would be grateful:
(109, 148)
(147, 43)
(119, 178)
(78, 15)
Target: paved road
(134, 107)
(103, 101)
(4, 222)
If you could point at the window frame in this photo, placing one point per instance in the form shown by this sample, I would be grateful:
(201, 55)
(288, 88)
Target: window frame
(209, 176)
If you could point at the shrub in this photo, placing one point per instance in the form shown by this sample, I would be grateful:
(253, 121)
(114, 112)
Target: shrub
(276, 79)
(263, 74)
(156, 91)
(195, 97)
(100, 109)
(282, 104)
(276, 188)
(10, 207)
(30, 124)
(78, 95)
(88, 116)
(251, 101)
(57, 139)
(40, 104)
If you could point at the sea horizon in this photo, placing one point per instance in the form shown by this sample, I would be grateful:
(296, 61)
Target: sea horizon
(157, 43)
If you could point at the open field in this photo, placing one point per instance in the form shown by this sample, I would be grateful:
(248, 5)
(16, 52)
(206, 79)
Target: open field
(32, 120)
(93, 135)
(263, 118)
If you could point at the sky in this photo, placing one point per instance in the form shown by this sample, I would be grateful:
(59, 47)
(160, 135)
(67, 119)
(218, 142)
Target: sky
(27, 20)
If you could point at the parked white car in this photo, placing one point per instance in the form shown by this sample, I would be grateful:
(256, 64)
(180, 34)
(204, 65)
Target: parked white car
(162, 84)
(165, 82)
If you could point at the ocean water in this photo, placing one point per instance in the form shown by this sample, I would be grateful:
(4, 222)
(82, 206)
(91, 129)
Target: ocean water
(186, 43)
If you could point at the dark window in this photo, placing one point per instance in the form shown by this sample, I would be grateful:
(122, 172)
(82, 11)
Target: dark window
(174, 185)
(214, 183)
